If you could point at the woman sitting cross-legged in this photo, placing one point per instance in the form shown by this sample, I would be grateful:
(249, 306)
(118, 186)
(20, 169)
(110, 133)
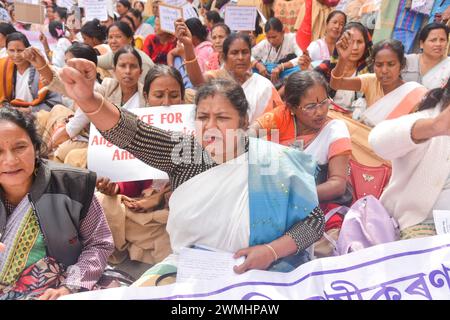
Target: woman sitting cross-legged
(55, 237)
(225, 192)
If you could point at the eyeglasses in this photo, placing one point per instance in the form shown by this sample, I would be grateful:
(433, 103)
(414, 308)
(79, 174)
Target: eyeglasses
(312, 107)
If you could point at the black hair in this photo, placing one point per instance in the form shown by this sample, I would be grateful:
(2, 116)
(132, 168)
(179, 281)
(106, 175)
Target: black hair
(136, 13)
(130, 20)
(436, 96)
(94, 29)
(366, 35)
(214, 17)
(27, 123)
(123, 27)
(62, 12)
(56, 29)
(223, 26)
(160, 70)
(392, 44)
(125, 3)
(6, 28)
(336, 12)
(298, 83)
(430, 27)
(274, 24)
(230, 90)
(124, 50)
(258, 29)
(17, 36)
(232, 38)
(197, 29)
(82, 50)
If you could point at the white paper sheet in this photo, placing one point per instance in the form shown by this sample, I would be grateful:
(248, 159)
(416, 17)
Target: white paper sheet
(199, 264)
(442, 221)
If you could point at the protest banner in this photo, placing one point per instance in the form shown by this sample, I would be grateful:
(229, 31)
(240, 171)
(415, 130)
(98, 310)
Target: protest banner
(240, 18)
(96, 9)
(119, 165)
(29, 13)
(415, 269)
(167, 17)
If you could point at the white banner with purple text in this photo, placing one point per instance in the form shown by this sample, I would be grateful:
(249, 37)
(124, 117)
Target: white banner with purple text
(416, 269)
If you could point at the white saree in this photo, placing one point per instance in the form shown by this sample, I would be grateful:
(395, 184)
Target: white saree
(396, 103)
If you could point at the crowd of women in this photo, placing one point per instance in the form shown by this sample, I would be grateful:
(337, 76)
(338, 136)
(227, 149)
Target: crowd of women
(298, 120)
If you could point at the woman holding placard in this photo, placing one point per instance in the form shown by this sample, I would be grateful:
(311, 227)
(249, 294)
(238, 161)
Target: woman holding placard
(260, 92)
(137, 211)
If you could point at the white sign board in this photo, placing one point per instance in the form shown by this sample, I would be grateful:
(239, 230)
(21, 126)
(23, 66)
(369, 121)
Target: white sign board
(119, 165)
(189, 11)
(240, 18)
(96, 9)
(416, 269)
(167, 17)
(65, 3)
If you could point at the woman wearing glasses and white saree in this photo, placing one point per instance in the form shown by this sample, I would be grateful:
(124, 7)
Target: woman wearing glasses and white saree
(304, 120)
(267, 213)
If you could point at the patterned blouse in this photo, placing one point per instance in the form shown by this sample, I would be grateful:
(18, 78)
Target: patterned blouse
(182, 158)
(98, 245)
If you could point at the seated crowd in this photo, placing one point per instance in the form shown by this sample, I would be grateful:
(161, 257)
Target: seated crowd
(260, 96)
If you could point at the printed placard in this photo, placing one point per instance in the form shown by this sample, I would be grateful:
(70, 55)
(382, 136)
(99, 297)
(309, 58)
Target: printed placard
(96, 9)
(119, 165)
(240, 18)
(167, 17)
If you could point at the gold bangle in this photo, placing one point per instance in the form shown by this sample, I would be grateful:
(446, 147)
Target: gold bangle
(334, 76)
(273, 251)
(42, 68)
(190, 61)
(282, 67)
(98, 110)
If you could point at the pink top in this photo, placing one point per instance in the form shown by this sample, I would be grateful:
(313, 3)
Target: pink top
(213, 62)
(203, 51)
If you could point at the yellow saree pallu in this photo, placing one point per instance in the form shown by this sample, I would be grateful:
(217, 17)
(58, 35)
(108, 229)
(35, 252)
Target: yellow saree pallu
(7, 86)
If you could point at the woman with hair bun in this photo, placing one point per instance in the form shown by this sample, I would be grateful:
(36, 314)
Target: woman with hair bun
(94, 34)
